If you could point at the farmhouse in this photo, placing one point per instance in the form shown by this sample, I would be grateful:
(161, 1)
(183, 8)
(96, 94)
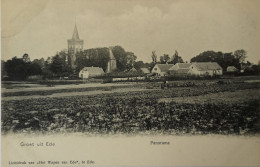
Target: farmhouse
(205, 69)
(88, 72)
(180, 69)
(161, 69)
(232, 69)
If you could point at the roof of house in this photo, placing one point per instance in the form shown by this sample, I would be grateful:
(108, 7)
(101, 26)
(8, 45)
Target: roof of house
(182, 71)
(93, 70)
(204, 66)
(132, 69)
(178, 66)
(145, 70)
(164, 67)
(183, 65)
(232, 68)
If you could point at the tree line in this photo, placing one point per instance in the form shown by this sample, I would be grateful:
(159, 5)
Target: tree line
(236, 59)
(59, 65)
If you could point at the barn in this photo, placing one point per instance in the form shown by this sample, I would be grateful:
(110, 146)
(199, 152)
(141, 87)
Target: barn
(205, 69)
(161, 69)
(88, 72)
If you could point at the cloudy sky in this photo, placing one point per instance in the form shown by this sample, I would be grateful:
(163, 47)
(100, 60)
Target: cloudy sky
(41, 28)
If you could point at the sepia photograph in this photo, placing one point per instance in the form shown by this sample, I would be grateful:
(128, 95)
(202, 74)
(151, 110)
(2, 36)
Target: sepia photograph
(130, 83)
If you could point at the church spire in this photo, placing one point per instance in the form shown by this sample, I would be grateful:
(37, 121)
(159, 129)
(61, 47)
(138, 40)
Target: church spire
(74, 45)
(75, 35)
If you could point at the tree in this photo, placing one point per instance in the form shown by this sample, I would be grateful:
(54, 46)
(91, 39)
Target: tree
(97, 57)
(164, 59)
(138, 65)
(14, 68)
(26, 58)
(130, 60)
(121, 57)
(3, 72)
(154, 57)
(59, 66)
(176, 58)
(240, 56)
(40, 62)
(21, 68)
(34, 69)
(48, 61)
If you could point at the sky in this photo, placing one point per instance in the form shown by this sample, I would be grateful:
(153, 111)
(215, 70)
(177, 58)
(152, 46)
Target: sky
(41, 28)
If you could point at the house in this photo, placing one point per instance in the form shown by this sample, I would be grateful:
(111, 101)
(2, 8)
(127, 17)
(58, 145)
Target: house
(161, 69)
(34, 77)
(205, 69)
(145, 70)
(88, 72)
(232, 69)
(132, 69)
(180, 69)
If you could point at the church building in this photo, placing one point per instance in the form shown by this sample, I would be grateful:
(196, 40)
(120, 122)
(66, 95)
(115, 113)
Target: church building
(74, 45)
(111, 64)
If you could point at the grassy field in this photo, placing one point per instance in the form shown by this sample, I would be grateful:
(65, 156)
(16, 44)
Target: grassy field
(203, 107)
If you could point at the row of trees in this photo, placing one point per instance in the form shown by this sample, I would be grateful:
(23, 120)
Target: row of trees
(58, 65)
(236, 59)
(165, 58)
(99, 57)
(20, 68)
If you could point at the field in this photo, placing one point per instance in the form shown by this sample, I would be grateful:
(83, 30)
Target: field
(227, 106)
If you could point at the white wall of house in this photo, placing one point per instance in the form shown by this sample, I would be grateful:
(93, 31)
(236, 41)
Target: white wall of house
(194, 71)
(219, 72)
(157, 70)
(83, 74)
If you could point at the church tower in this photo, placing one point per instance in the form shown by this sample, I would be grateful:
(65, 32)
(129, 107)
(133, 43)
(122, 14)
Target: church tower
(111, 65)
(74, 45)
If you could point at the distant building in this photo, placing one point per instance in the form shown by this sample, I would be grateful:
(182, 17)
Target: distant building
(35, 77)
(133, 70)
(111, 65)
(74, 45)
(205, 69)
(88, 72)
(145, 70)
(161, 69)
(232, 69)
(180, 69)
